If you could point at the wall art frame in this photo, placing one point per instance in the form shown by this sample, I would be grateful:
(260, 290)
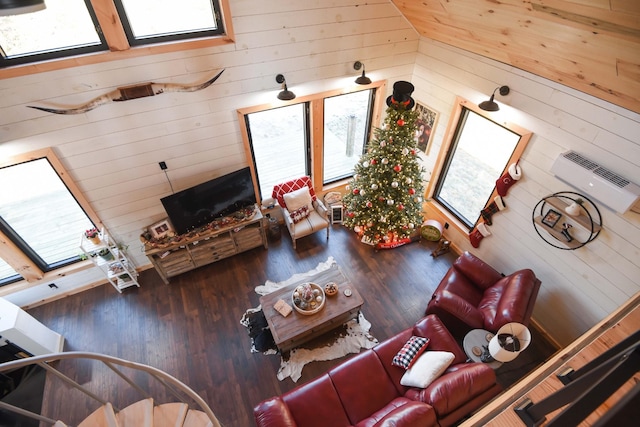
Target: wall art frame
(426, 124)
(161, 228)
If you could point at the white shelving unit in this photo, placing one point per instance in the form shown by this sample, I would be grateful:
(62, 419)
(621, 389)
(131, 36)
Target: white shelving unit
(112, 260)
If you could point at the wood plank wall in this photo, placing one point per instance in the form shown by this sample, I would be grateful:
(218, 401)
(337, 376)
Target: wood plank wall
(113, 151)
(590, 45)
(579, 287)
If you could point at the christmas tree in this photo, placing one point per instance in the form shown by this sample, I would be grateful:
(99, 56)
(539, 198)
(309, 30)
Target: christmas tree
(384, 199)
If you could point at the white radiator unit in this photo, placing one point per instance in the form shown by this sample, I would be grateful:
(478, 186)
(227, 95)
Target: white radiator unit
(609, 188)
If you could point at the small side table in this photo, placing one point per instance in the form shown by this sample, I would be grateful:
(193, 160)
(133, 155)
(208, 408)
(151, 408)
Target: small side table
(473, 346)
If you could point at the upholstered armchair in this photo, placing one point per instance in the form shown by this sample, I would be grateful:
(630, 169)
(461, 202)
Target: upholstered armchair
(473, 295)
(302, 212)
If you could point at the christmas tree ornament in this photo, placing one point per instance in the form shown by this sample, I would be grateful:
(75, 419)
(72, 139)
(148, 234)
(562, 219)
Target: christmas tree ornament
(362, 192)
(390, 202)
(510, 177)
(400, 122)
(394, 184)
(369, 204)
(373, 161)
(356, 191)
(385, 161)
(496, 206)
(400, 206)
(383, 144)
(405, 151)
(411, 225)
(412, 191)
(374, 186)
(408, 180)
(413, 152)
(365, 164)
(397, 168)
(480, 232)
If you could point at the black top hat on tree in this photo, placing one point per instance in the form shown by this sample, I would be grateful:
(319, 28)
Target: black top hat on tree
(401, 97)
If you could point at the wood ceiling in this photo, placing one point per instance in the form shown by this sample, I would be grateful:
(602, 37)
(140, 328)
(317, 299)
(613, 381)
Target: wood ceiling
(590, 45)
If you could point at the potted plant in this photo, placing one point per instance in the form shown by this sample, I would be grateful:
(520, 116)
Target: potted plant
(105, 254)
(93, 235)
(574, 208)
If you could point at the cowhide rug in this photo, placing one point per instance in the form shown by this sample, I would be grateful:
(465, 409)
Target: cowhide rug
(351, 338)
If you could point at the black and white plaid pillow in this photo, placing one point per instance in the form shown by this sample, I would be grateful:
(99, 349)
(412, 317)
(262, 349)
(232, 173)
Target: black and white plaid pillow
(409, 353)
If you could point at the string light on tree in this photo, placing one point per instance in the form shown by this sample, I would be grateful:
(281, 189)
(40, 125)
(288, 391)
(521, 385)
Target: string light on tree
(390, 171)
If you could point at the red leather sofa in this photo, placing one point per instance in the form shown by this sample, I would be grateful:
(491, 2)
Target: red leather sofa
(365, 391)
(473, 295)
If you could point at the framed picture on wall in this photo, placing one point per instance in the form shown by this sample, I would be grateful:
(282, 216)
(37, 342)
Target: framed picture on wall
(161, 228)
(551, 218)
(426, 124)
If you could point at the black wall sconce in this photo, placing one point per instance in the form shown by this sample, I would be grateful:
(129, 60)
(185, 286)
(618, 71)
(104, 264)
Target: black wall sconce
(285, 94)
(362, 80)
(491, 105)
(18, 7)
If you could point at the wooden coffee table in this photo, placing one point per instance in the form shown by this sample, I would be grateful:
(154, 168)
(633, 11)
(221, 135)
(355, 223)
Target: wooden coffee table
(295, 329)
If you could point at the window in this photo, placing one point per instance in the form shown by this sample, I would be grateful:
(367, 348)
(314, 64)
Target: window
(153, 21)
(279, 138)
(75, 27)
(282, 144)
(64, 28)
(346, 127)
(477, 150)
(41, 216)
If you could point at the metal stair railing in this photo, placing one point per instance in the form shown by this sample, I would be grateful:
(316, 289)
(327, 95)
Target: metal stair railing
(172, 384)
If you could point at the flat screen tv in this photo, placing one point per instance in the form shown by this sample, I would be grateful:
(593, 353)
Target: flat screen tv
(201, 204)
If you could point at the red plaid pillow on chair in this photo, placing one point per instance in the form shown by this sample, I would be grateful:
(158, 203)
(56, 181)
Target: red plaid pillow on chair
(287, 187)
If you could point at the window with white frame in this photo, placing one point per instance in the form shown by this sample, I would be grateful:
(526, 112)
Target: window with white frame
(40, 215)
(282, 144)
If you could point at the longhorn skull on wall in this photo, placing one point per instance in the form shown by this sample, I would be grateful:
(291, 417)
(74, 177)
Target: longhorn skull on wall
(131, 92)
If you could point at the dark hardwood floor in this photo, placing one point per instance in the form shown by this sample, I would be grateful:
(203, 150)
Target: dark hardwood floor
(190, 328)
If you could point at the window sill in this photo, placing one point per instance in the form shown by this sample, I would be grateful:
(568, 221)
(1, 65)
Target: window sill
(96, 58)
(48, 277)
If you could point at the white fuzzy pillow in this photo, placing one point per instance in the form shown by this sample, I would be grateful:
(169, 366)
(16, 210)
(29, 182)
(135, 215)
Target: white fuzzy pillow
(297, 199)
(429, 366)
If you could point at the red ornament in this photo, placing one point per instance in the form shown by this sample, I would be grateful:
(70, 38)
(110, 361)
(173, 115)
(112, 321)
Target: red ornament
(350, 214)
(356, 191)
(400, 122)
(373, 162)
(400, 206)
(397, 168)
(413, 152)
(412, 191)
(380, 198)
(369, 204)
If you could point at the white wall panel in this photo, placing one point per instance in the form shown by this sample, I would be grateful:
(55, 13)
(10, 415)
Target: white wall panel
(578, 287)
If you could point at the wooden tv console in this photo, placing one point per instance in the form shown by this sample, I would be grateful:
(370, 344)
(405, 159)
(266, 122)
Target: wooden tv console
(196, 249)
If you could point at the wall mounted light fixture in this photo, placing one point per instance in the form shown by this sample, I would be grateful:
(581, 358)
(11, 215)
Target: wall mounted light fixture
(285, 94)
(362, 80)
(18, 7)
(491, 105)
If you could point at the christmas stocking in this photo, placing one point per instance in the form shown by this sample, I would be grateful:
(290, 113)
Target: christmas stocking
(513, 174)
(481, 231)
(496, 206)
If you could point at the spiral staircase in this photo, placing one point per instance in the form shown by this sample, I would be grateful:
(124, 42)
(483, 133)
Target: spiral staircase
(186, 407)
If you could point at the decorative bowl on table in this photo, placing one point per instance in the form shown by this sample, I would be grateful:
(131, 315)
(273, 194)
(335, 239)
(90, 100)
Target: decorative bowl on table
(330, 289)
(308, 298)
